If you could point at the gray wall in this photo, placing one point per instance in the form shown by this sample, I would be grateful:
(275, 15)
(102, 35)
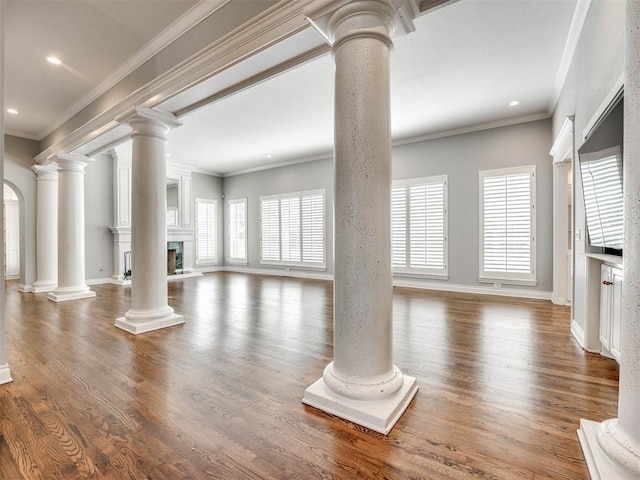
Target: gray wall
(294, 178)
(98, 215)
(19, 154)
(461, 157)
(597, 64)
(210, 187)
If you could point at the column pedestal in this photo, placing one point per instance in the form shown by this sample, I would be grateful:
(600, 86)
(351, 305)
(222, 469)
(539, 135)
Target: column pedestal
(149, 298)
(46, 228)
(71, 252)
(362, 384)
(612, 448)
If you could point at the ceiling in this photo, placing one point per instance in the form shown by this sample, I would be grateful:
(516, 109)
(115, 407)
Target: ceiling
(457, 72)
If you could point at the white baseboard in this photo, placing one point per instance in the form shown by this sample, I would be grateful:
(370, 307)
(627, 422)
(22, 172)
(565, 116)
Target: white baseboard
(577, 333)
(475, 289)
(99, 281)
(560, 301)
(280, 272)
(25, 288)
(5, 374)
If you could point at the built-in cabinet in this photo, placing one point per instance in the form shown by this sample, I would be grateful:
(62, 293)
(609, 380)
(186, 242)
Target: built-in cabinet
(610, 310)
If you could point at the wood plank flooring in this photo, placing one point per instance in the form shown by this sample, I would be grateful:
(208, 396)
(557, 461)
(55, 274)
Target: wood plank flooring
(503, 386)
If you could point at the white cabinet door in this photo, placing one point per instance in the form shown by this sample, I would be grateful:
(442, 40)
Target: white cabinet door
(616, 312)
(605, 308)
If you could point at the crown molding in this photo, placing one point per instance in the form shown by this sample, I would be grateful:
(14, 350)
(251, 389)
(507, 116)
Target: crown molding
(274, 24)
(287, 163)
(579, 17)
(179, 27)
(15, 133)
(476, 128)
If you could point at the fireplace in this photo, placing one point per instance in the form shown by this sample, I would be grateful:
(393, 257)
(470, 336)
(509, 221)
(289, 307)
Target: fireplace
(174, 257)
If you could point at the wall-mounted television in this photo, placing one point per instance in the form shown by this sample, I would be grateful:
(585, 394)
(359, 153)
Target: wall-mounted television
(601, 174)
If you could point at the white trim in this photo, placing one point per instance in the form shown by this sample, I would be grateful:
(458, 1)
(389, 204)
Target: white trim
(280, 272)
(5, 374)
(99, 281)
(577, 333)
(562, 147)
(577, 23)
(609, 102)
(286, 163)
(500, 279)
(28, 136)
(473, 289)
(473, 129)
(25, 288)
(175, 30)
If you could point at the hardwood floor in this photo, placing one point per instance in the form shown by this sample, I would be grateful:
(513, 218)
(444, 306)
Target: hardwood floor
(503, 386)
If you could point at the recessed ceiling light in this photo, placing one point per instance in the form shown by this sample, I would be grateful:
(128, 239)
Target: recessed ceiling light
(12, 111)
(54, 60)
(514, 103)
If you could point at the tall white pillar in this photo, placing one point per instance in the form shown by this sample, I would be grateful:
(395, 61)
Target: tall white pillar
(71, 229)
(362, 384)
(5, 373)
(612, 448)
(46, 227)
(150, 309)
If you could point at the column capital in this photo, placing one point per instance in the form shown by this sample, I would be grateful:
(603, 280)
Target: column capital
(71, 162)
(149, 122)
(340, 20)
(47, 173)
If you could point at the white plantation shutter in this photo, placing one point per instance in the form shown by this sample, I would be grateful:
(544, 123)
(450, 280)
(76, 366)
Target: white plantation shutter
(602, 184)
(206, 222)
(399, 226)
(270, 229)
(238, 231)
(296, 224)
(313, 228)
(419, 226)
(507, 250)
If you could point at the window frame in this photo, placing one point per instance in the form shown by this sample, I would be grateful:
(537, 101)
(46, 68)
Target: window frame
(206, 260)
(422, 272)
(231, 259)
(302, 264)
(513, 278)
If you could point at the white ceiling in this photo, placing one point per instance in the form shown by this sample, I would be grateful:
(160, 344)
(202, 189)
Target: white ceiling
(458, 71)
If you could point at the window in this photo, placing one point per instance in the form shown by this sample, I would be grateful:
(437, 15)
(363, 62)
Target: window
(238, 231)
(419, 226)
(206, 231)
(292, 229)
(507, 225)
(172, 216)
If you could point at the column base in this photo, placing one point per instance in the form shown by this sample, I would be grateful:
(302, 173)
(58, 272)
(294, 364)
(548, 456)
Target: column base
(599, 464)
(378, 415)
(5, 374)
(75, 293)
(41, 287)
(142, 326)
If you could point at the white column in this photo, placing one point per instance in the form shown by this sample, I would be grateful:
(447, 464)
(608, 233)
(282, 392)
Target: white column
(5, 373)
(71, 255)
(362, 384)
(614, 453)
(46, 227)
(150, 309)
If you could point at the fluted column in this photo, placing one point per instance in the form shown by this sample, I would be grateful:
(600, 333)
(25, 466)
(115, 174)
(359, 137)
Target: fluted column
(150, 309)
(362, 384)
(614, 453)
(5, 373)
(46, 227)
(71, 229)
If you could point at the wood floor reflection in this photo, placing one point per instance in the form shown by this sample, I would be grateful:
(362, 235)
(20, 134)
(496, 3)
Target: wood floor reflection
(503, 386)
